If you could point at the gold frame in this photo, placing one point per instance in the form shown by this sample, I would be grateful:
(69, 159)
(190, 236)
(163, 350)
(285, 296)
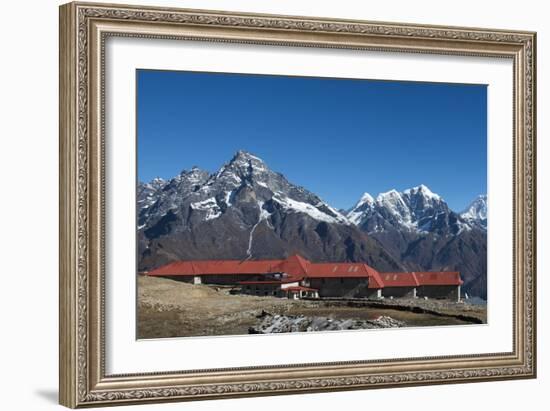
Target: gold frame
(83, 30)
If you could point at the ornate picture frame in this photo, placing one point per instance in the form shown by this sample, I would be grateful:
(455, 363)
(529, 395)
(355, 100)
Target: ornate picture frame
(84, 29)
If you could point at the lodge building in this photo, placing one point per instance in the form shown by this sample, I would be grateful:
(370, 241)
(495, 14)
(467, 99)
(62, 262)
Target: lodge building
(295, 277)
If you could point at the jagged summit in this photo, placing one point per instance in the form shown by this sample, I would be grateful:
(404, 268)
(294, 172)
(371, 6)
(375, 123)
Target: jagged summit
(365, 198)
(422, 190)
(193, 169)
(243, 167)
(388, 195)
(416, 209)
(245, 210)
(476, 212)
(244, 158)
(246, 178)
(195, 174)
(244, 155)
(158, 180)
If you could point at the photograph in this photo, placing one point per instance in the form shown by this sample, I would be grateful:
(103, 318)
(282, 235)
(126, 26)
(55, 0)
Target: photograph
(288, 204)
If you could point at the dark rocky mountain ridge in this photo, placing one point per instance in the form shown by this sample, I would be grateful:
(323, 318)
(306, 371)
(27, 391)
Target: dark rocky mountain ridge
(243, 211)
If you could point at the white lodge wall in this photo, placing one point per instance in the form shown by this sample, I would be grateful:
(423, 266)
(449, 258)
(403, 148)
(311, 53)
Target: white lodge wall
(400, 292)
(451, 292)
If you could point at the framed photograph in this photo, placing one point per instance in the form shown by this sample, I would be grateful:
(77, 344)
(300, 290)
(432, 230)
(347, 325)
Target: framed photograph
(259, 204)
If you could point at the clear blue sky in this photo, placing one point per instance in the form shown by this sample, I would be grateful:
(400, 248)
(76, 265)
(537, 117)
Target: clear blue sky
(336, 137)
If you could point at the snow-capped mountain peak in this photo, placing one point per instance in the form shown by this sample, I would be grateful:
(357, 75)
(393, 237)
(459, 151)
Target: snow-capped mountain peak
(146, 192)
(394, 202)
(193, 176)
(391, 195)
(157, 182)
(416, 209)
(246, 163)
(356, 213)
(245, 179)
(243, 155)
(476, 212)
(366, 198)
(243, 168)
(422, 190)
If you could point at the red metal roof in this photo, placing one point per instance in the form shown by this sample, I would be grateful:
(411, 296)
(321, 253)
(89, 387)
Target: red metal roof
(375, 281)
(332, 270)
(399, 280)
(438, 278)
(294, 266)
(297, 268)
(217, 267)
(415, 279)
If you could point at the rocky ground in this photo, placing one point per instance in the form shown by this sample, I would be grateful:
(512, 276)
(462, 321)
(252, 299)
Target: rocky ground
(168, 308)
(299, 323)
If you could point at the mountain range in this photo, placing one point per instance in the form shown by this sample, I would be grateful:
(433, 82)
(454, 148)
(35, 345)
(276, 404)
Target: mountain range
(247, 211)
(419, 229)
